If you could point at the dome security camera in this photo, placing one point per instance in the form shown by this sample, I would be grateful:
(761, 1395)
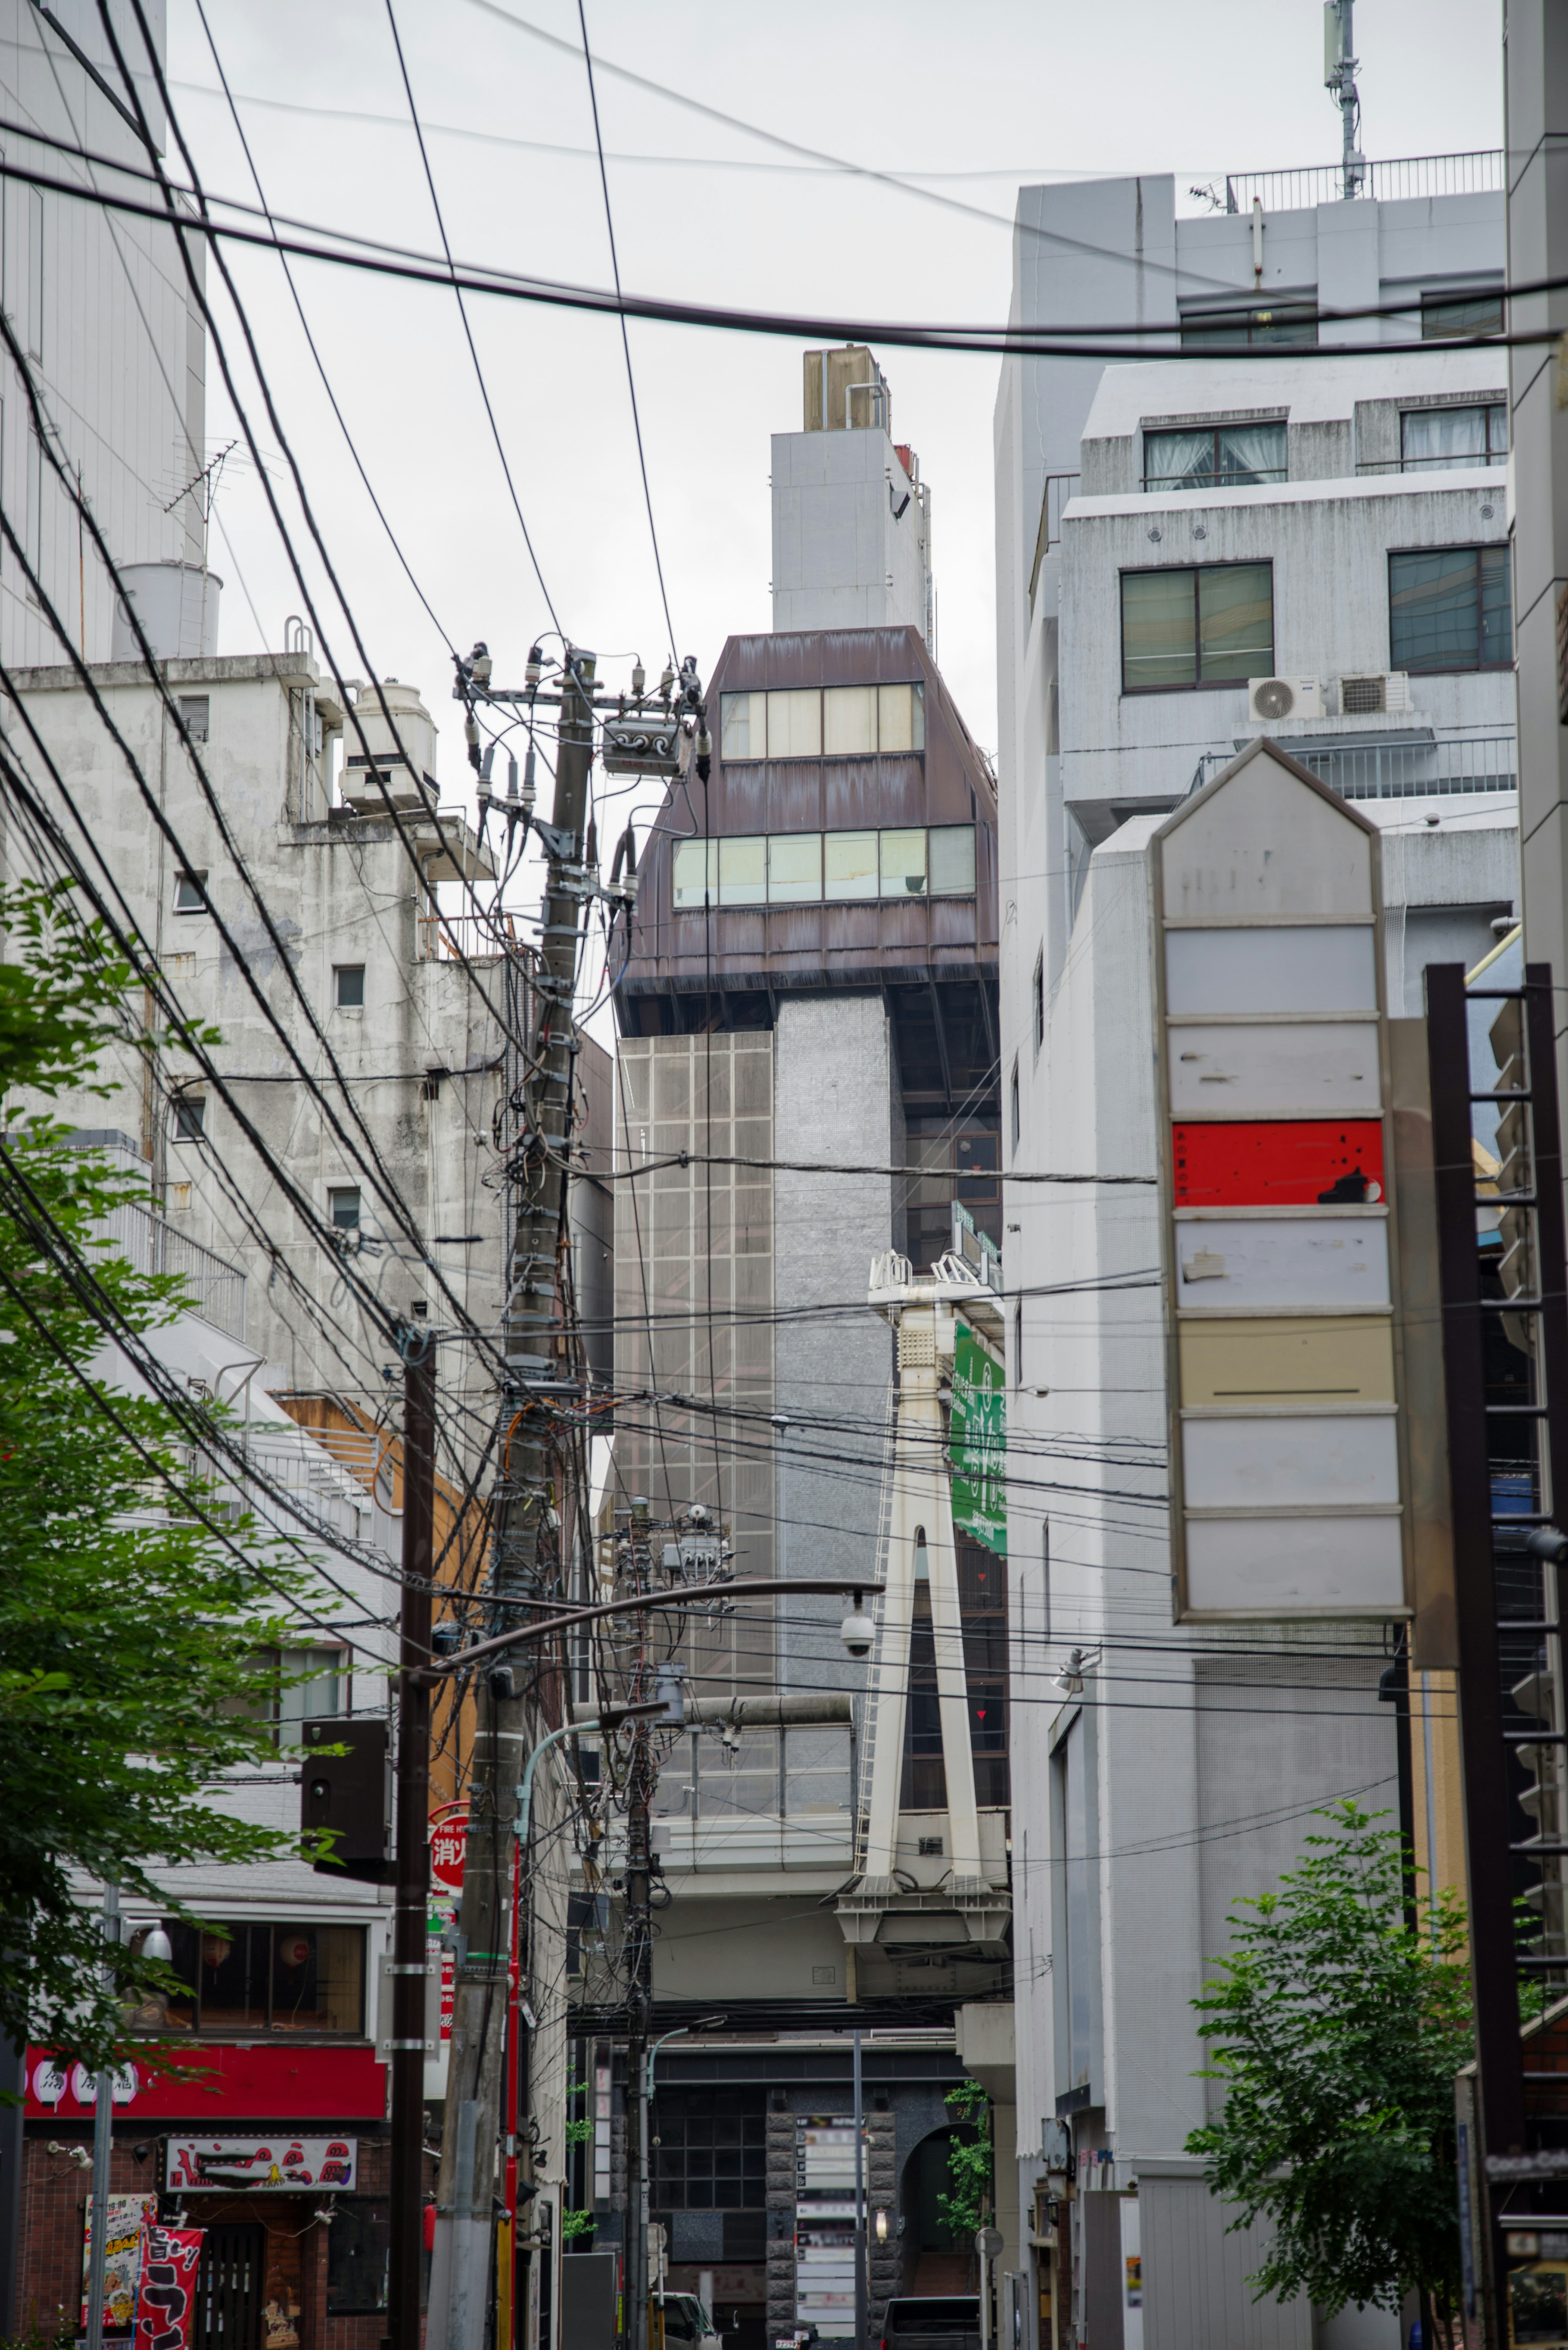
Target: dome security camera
(855, 1631)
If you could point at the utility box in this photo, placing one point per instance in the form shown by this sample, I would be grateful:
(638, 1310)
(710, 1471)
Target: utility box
(588, 2295)
(352, 1795)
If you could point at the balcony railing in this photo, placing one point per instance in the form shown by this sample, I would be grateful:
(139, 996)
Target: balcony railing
(216, 1288)
(467, 938)
(1364, 768)
(1476, 172)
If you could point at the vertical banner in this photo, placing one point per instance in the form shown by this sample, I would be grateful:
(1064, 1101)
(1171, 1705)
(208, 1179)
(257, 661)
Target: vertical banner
(127, 2215)
(166, 2303)
(977, 1441)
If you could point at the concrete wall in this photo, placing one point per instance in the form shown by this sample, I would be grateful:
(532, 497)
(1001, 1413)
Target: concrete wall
(845, 556)
(835, 1101)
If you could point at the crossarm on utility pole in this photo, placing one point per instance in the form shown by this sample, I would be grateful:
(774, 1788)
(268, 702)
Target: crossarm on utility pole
(703, 1596)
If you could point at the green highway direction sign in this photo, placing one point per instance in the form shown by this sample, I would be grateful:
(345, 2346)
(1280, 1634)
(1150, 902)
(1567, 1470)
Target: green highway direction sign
(977, 1442)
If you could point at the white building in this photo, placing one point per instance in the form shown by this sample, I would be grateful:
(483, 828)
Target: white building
(1315, 548)
(114, 341)
(851, 519)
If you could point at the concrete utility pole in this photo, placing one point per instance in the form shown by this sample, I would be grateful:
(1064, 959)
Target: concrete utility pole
(409, 1928)
(523, 1568)
(102, 2146)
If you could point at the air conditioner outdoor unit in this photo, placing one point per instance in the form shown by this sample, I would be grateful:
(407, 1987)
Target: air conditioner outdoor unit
(1371, 696)
(1283, 697)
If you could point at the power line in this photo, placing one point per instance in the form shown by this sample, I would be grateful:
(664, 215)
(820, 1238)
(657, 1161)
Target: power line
(625, 338)
(462, 313)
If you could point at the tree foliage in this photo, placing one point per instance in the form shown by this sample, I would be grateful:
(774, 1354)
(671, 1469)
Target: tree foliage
(131, 1632)
(1336, 2033)
(967, 2200)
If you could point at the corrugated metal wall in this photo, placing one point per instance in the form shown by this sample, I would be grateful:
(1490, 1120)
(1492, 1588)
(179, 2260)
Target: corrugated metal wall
(1195, 2291)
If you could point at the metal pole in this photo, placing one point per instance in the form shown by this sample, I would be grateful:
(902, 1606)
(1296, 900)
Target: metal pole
(409, 1945)
(102, 2150)
(860, 2201)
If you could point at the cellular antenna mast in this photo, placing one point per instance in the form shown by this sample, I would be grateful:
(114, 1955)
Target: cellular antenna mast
(1339, 78)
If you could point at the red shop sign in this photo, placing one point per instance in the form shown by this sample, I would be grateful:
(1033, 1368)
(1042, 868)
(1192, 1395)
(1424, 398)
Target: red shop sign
(449, 1846)
(222, 2081)
(1298, 1163)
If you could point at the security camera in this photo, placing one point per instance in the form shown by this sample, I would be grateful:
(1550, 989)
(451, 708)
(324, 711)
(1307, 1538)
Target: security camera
(855, 1631)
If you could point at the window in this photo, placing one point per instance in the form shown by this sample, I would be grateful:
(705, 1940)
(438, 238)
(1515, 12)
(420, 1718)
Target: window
(1468, 314)
(713, 2151)
(343, 1206)
(744, 870)
(190, 893)
(358, 2255)
(842, 722)
(952, 861)
(1015, 1115)
(1182, 629)
(1291, 322)
(194, 712)
(35, 501)
(849, 865)
(1430, 437)
(1221, 456)
(247, 1978)
(1018, 1342)
(903, 860)
(1037, 993)
(348, 986)
(794, 868)
(190, 1117)
(36, 274)
(1045, 1579)
(1450, 608)
(795, 725)
(696, 874)
(310, 1682)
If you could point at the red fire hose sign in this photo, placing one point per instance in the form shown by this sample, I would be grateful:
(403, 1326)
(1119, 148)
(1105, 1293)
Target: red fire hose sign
(449, 1847)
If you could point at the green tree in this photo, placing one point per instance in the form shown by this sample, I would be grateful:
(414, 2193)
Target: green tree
(967, 2200)
(131, 1630)
(1336, 2033)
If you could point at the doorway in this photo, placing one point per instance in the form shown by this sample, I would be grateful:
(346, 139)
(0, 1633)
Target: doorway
(229, 2283)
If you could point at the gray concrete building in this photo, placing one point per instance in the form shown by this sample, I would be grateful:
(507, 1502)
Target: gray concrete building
(1240, 531)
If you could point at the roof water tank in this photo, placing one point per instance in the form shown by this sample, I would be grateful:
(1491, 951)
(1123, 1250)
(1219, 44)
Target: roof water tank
(177, 605)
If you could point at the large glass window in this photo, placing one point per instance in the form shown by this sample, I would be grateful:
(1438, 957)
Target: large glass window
(1475, 314)
(1213, 626)
(711, 2149)
(1293, 324)
(245, 1979)
(795, 725)
(904, 864)
(696, 875)
(744, 870)
(1433, 437)
(1220, 456)
(1450, 608)
(848, 720)
(849, 865)
(794, 868)
(952, 861)
(842, 722)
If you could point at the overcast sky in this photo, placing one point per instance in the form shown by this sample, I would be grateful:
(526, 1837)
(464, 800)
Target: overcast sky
(1015, 92)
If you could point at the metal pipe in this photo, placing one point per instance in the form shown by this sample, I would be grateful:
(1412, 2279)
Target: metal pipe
(102, 2150)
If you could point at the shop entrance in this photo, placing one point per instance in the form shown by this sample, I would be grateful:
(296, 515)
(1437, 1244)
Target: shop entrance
(229, 2284)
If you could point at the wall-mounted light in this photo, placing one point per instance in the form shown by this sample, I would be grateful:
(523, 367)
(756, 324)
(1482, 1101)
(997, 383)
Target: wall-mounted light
(881, 2227)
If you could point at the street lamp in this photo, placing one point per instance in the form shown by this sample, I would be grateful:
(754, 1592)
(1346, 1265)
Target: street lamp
(703, 2023)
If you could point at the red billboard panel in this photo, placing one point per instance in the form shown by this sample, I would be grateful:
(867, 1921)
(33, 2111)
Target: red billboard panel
(1279, 1163)
(293, 2079)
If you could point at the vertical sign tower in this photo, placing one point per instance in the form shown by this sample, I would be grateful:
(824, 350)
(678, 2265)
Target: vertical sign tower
(1288, 1481)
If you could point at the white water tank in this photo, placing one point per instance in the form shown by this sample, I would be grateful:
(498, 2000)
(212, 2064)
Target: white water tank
(179, 620)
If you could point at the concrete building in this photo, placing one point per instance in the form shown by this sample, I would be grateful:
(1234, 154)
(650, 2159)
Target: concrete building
(1197, 551)
(116, 348)
(806, 1008)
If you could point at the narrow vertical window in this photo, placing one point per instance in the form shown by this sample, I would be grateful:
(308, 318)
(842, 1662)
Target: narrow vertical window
(36, 275)
(1045, 1579)
(1038, 992)
(1017, 1115)
(1018, 1342)
(34, 500)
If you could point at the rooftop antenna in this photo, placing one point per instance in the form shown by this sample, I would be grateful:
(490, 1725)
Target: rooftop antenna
(1339, 62)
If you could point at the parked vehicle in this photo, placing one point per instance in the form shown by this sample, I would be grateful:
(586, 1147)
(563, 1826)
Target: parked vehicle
(918, 2321)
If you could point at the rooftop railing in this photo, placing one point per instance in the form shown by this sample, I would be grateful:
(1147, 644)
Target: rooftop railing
(1364, 768)
(467, 938)
(1478, 171)
(216, 1288)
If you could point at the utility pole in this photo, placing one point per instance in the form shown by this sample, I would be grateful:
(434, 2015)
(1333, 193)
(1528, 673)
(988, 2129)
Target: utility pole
(526, 1524)
(409, 1947)
(102, 2146)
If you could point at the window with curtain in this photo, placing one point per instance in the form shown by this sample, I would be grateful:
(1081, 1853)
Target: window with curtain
(1432, 437)
(1219, 456)
(1451, 608)
(1185, 629)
